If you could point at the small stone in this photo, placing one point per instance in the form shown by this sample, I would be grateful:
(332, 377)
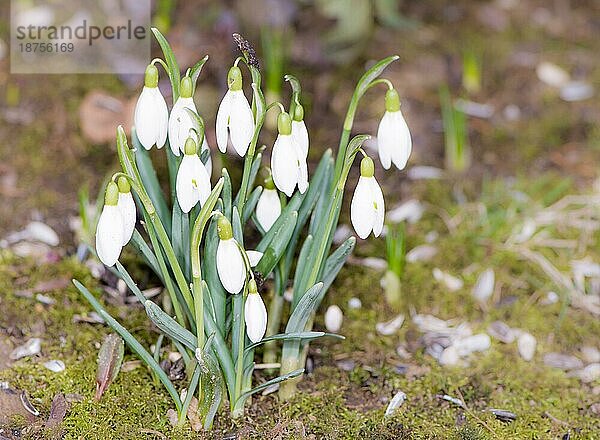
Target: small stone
(342, 233)
(503, 415)
(411, 211)
(270, 389)
(471, 344)
(39, 231)
(390, 327)
(551, 298)
(449, 356)
(551, 74)
(526, 344)
(333, 318)
(395, 403)
(512, 112)
(502, 332)
(451, 282)
(354, 303)
(484, 287)
(424, 252)
(588, 374)
(374, 263)
(55, 365)
(590, 354)
(562, 361)
(45, 299)
(425, 173)
(576, 91)
(346, 364)
(174, 356)
(288, 295)
(30, 348)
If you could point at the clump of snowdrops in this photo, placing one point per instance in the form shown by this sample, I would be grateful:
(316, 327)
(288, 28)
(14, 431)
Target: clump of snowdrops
(198, 245)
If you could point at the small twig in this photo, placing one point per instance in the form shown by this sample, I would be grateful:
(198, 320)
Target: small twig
(555, 420)
(471, 413)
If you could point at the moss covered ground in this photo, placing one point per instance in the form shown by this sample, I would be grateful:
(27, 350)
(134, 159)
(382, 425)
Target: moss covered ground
(343, 402)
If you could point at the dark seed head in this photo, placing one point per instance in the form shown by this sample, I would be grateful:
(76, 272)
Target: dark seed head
(247, 50)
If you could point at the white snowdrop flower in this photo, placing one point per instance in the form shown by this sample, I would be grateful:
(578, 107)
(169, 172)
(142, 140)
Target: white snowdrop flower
(109, 232)
(255, 314)
(234, 117)
(268, 208)
(126, 207)
(230, 262)
(192, 184)
(393, 136)
(288, 163)
(333, 318)
(180, 121)
(151, 116)
(367, 209)
(299, 131)
(254, 257)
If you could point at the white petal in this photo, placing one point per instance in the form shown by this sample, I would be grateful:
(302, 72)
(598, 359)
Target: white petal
(386, 139)
(180, 124)
(223, 121)
(162, 121)
(302, 170)
(362, 208)
(403, 145)
(241, 122)
(284, 164)
(379, 207)
(230, 266)
(187, 193)
(126, 207)
(268, 208)
(200, 179)
(109, 235)
(254, 257)
(255, 315)
(144, 118)
(300, 134)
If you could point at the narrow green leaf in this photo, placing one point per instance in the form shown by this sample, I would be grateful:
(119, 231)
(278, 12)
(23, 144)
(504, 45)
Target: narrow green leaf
(169, 326)
(304, 309)
(275, 249)
(144, 250)
(132, 342)
(336, 261)
(174, 74)
(150, 181)
(226, 194)
(196, 70)
(301, 263)
(288, 336)
(268, 383)
(250, 205)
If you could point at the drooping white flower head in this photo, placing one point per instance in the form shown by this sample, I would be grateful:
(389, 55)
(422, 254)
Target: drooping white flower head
(288, 163)
(268, 207)
(393, 136)
(151, 115)
(192, 184)
(234, 117)
(255, 314)
(367, 209)
(230, 262)
(180, 121)
(109, 232)
(126, 207)
(299, 131)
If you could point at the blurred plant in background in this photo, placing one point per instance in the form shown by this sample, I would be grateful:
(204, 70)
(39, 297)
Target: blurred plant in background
(395, 243)
(456, 136)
